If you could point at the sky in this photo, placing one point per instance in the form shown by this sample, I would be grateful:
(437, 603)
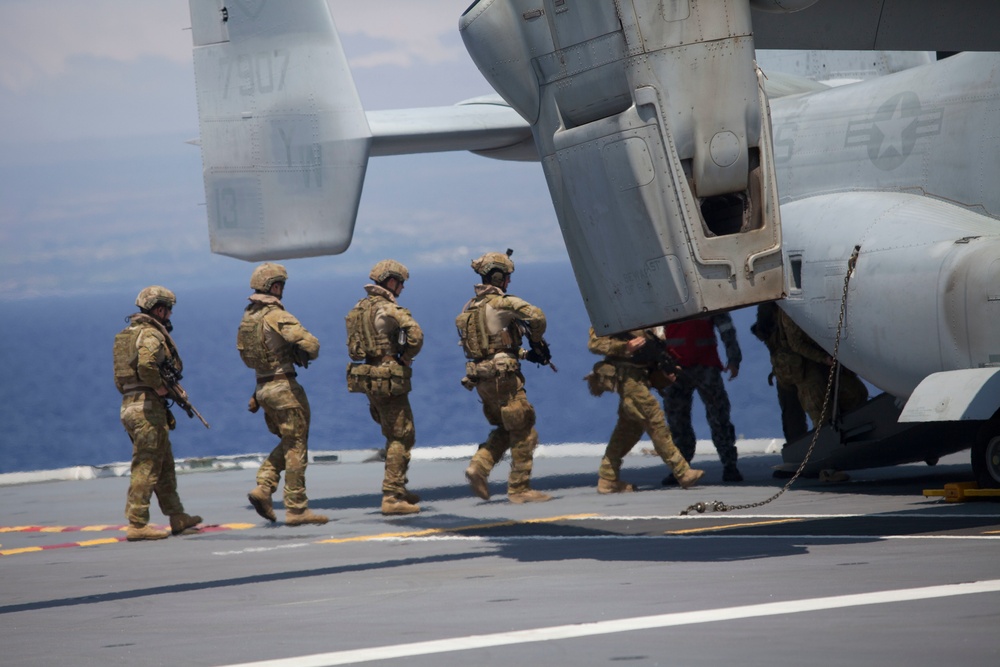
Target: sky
(99, 190)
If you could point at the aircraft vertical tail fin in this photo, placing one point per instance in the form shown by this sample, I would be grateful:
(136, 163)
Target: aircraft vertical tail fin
(284, 138)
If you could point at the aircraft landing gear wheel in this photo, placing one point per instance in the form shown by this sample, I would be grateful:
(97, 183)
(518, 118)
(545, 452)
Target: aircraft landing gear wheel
(986, 455)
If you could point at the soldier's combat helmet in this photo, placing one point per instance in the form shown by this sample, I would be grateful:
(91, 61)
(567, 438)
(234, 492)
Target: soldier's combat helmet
(153, 296)
(266, 275)
(389, 268)
(492, 262)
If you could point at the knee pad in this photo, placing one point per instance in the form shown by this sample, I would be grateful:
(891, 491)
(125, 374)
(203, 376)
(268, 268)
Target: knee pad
(518, 416)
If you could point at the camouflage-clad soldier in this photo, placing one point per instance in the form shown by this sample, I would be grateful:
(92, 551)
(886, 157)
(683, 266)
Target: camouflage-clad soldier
(695, 347)
(490, 332)
(626, 369)
(272, 342)
(806, 365)
(385, 338)
(139, 351)
(767, 329)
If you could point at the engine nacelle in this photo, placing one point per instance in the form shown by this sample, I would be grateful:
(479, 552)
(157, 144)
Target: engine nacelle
(654, 134)
(927, 279)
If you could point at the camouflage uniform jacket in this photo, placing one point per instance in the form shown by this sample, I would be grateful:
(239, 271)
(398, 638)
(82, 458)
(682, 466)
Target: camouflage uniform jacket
(615, 349)
(140, 348)
(388, 320)
(269, 337)
(792, 350)
(495, 327)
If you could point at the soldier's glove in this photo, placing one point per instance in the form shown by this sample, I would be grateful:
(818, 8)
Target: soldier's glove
(469, 383)
(300, 357)
(539, 353)
(253, 405)
(171, 422)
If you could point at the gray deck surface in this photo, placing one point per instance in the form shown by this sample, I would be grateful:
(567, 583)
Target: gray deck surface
(773, 580)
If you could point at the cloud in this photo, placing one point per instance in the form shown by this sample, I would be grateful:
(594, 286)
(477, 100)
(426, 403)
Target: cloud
(405, 33)
(39, 39)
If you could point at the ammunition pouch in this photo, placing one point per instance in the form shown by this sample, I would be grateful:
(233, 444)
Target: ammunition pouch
(602, 378)
(499, 366)
(358, 378)
(379, 381)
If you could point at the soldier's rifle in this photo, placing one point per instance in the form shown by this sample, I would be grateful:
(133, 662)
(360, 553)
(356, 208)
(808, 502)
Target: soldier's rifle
(175, 392)
(539, 353)
(661, 362)
(300, 357)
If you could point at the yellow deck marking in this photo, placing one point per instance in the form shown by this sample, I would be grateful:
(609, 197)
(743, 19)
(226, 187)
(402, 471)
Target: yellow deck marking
(91, 543)
(22, 550)
(728, 527)
(454, 529)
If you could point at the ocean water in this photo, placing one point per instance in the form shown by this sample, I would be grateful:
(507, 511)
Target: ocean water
(59, 406)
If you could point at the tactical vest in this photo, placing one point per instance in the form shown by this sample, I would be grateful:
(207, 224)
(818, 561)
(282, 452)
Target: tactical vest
(250, 341)
(693, 342)
(126, 350)
(474, 337)
(363, 341)
(127, 356)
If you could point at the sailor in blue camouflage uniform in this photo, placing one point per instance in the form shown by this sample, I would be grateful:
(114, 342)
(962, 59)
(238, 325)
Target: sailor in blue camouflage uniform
(694, 345)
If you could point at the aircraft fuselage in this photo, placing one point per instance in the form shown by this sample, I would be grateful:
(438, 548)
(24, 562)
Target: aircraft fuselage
(905, 167)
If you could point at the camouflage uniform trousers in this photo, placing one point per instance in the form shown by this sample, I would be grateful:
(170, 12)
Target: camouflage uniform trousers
(677, 399)
(793, 416)
(852, 393)
(394, 415)
(506, 407)
(638, 412)
(286, 412)
(144, 417)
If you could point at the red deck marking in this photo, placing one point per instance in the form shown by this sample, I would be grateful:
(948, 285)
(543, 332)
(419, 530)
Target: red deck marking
(61, 529)
(211, 528)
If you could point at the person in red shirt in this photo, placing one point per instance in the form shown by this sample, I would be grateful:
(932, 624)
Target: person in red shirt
(694, 345)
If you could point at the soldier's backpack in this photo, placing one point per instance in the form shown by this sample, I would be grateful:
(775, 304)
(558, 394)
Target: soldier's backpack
(360, 332)
(472, 334)
(250, 340)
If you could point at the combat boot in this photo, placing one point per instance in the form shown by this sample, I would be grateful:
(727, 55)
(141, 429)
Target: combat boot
(528, 496)
(181, 522)
(392, 504)
(137, 533)
(260, 498)
(300, 517)
(731, 473)
(614, 486)
(689, 478)
(477, 482)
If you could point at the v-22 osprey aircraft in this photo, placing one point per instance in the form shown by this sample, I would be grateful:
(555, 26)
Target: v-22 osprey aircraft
(687, 176)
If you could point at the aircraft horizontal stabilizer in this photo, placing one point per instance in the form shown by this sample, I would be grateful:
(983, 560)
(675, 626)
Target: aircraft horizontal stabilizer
(484, 125)
(284, 138)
